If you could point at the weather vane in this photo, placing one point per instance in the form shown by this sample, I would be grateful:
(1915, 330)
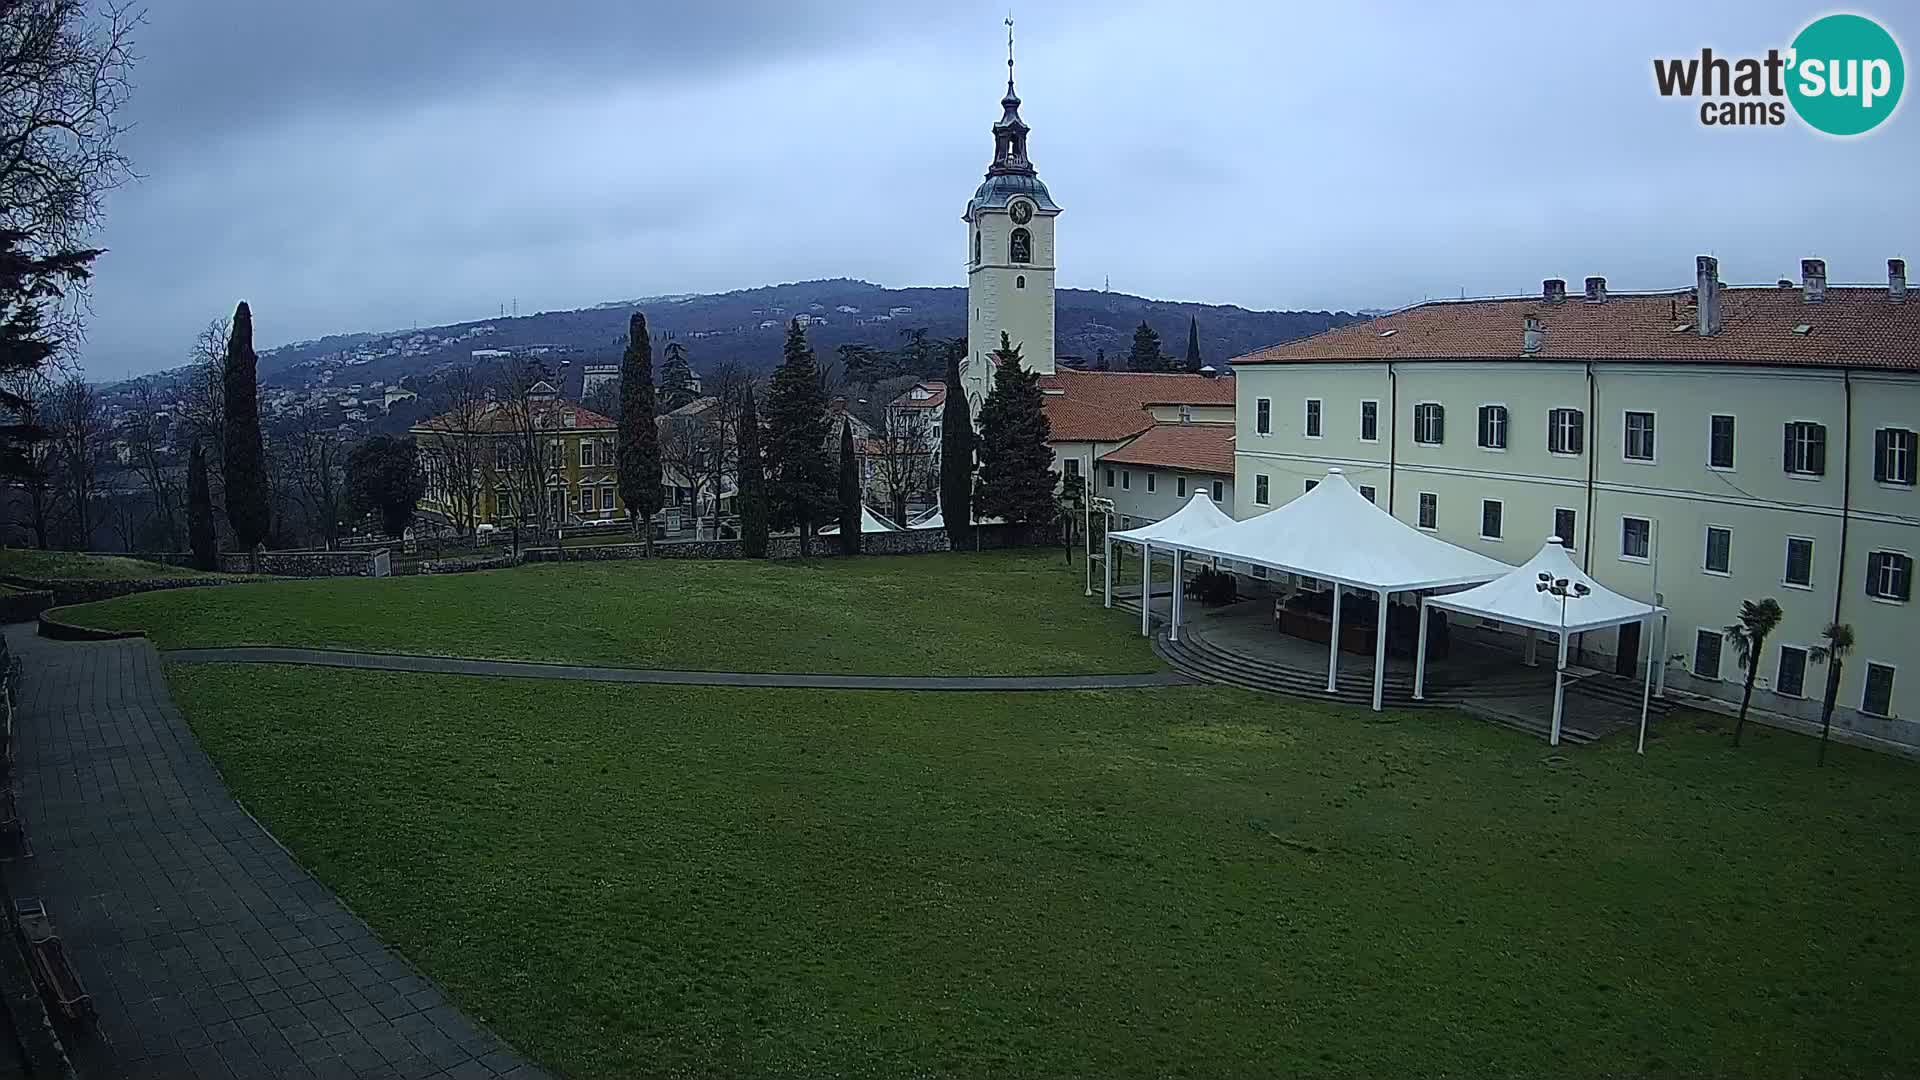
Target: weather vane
(1009, 46)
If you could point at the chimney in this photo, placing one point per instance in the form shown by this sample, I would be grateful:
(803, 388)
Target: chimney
(1554, 290)
(1596, 290)
(1530, 337)
(1897, 280)
(1706, 295)
(1813, 280)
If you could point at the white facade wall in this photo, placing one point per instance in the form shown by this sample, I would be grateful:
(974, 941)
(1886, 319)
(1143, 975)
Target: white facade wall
(1009, 296)
(1143, 494)
(1756, 499)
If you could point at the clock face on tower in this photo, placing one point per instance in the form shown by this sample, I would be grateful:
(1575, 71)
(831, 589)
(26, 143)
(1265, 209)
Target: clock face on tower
(1022, 211)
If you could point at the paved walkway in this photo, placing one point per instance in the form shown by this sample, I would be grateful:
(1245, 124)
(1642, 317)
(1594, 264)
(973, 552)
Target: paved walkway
(208, 951)
(522, 669)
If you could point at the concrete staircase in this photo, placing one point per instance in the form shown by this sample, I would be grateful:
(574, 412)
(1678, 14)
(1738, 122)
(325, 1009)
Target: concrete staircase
(1520, 699)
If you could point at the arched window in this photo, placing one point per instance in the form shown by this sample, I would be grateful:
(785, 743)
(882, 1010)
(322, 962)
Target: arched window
(1020, 282)
(976, 247)
(1022, 246)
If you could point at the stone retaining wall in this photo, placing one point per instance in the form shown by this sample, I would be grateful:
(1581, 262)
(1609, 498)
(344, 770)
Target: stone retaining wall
(307, 564)
(468, 564)
(23, 606)
(904, 542)
(67, 591)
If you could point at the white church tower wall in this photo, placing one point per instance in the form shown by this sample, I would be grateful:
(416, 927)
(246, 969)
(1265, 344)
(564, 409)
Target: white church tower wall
(1010, 256)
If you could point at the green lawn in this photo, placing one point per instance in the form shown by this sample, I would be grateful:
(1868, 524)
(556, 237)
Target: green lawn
(1183, 882)
(993, 613)
(31, 562)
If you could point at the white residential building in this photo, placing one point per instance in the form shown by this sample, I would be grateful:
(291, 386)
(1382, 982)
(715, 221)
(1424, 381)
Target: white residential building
(1753, 441)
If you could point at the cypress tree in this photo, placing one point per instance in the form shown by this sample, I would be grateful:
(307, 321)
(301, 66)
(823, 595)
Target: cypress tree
(1194, 363)
(800, 487)
(676, 378)
(956, 457)
(246, 458)
(849, 494)
(752, 484)
(1016, 474)
(200, 510)
(1145, 355)
(639, 438)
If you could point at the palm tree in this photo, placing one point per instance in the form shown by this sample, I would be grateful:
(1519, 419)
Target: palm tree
(1749, 637)
(1839, 642)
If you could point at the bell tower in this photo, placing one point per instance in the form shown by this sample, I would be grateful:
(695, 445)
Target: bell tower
(1010, 254)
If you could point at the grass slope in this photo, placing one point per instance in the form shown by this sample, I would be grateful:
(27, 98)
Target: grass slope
(994, 613)
(30, 562)
(1192, 881)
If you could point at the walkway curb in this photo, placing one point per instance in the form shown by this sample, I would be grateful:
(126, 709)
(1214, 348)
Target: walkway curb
(527, 669)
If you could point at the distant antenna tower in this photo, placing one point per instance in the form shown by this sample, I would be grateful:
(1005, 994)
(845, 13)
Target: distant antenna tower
(516, 307)
(1108, 287)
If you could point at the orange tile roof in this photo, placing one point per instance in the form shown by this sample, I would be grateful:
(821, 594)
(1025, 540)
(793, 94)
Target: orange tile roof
(1206, 448)
(934, 400)
(1854, 326)
(1107, 406)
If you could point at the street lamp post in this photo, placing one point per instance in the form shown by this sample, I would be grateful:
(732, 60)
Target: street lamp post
(1565, 590)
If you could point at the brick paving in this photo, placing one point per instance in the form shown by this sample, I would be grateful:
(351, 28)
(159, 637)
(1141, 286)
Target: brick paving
(208, 951)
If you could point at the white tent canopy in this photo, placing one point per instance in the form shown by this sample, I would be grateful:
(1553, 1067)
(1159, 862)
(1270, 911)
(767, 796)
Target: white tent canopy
(1198, 516)
(870, 522)
(1547, 592)
(1515, 597)
(937, 519)
(1334, 532)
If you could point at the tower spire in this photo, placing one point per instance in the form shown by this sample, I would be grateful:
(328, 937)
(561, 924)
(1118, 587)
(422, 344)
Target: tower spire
(1010, 55)
(1010, 134)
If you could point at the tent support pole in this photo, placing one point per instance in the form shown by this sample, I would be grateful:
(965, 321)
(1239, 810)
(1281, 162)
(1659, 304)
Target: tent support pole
(1146, 590)
(1173, 604)
(1333, 643)
(1559, 690)
(1533, 647)
(1380, 654)
(1646, 690)
(1106, 572)
(1660, 687)
(1420, 656)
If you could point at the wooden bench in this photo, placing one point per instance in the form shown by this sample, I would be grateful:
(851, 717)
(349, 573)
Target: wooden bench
(49, 960)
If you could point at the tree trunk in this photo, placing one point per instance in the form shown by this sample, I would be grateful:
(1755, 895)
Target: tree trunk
(1826, 707)
(1746, 698)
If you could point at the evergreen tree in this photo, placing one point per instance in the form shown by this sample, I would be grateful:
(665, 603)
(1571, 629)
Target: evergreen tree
(1016, 475)
(849, 494)
(245, 459)
(1194, 363)
(956, 456)
(639, 438)
(752, 482)
(800, 488)
(200, 511)
(1099, 359)
(29, 285)
(384, 477)
(676, 378)
(1146, 350)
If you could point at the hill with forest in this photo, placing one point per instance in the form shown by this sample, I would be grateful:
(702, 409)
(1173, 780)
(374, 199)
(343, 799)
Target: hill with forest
(747, 327)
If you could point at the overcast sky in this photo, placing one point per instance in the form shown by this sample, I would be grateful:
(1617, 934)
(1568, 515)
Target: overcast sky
(372, 164)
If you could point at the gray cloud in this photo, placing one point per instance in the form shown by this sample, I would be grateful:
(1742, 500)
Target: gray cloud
(363, 165)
